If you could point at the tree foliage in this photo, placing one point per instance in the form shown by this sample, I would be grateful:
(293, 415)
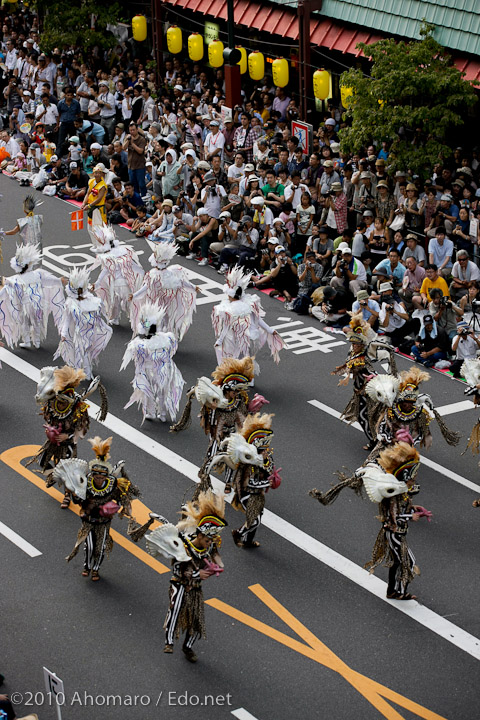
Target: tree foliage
(69, 23)
(414, 98)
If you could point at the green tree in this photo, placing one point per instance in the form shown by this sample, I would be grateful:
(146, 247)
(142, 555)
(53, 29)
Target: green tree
(71, 24)
(412, 85)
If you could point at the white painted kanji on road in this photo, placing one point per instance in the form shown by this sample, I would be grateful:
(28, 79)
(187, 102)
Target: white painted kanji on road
(211, 290)
(301, 339)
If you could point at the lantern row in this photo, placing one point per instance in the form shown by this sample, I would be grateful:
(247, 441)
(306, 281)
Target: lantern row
(254, 62)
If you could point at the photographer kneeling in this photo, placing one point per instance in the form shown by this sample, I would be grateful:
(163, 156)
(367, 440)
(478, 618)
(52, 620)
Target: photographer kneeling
(465, 346)
(431, 344)
(349, 273)
(393, 315)
(445, 313)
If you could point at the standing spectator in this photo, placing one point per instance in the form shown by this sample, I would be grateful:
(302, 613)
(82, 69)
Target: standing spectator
(386, 204)
(245, 136)
(305, 215)
(135, 146)
(440, 252)
(106, 102)
(338, 205)
(214, 143)
(281, 102)
(47, 113)
(68, 109)
(169, 172)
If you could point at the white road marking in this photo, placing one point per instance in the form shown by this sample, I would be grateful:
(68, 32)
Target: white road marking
(299, 539)
(242, 714)
(306, 338)
(456, 407)
(18, 541)
(426, 461)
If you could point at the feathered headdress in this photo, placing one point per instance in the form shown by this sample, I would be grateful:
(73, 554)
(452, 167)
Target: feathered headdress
(78, 279)
(26, 256)
(257, 429)
(206, 514)
(398, 458)
(105, 238)
(359, 329)
(233, 374)
(100, 466)
(100, 447)
(163, 253)
(236, 279)
(409, 382)
(29, 204)
(67, 377)
(150, 318)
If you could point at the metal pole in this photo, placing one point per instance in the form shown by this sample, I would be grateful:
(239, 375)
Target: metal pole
(230, 24)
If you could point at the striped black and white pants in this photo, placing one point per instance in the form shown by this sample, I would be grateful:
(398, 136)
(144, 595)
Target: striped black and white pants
(248, 533)
(95, 545)
(395, 583)
(177, 597)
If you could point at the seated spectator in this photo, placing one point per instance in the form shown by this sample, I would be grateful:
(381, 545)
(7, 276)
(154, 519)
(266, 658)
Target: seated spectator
(58, 174)
(467, 302)
(334, 307)
(349, 273)
(432, 280)
(446, 216)
(461, 231)
(309, 274)
(137, 225)
(432, 343)
(393, 316)
(131, 200)
(204, 233)
(390, 269)
(440, 252)
(76, 185)
(415, 250)
(465, 345)
(368, 306)
(445, 313)
(465, 274)
(283, 275)
(412, 280)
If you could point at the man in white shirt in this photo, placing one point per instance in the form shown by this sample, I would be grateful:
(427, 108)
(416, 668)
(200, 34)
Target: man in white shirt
(83, 92)
(11, 56)
(47, 113)
(294, 189)
(211, 195)
(214, 142)
(349, 273)
(465, 275)
(237, 170)
(149, 110)
(106, 102)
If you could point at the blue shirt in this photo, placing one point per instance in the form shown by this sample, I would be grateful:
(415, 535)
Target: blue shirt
(398, 273)
(366, 314)
(440, 252)
(68, 113)
(95, 129)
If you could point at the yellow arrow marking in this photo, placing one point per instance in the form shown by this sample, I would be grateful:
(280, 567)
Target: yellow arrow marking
(13, 458)
(316, 650)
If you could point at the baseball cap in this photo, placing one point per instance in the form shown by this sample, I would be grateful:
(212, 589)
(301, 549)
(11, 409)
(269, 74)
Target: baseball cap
(257, 201)
(462, 325)
(368, 213)
(279, 249)
(214, 123)
(26, 92)
(203, 165)
(73, 165)
(427, 319)
(310, 253)
(54, 158)
(103, 82)
(206, 117)
(225, 214)
(342, 246)
(209, 176)
(248, 167)
(446, 198)
(178, 87)
(75, 139)
(201, 212)
(347, 251)
(95, 146)
(272, 241)
(330, 121)
(176, 208)
(328, 163)
(246, 218)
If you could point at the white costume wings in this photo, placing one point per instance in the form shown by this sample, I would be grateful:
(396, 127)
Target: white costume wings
(121, 276)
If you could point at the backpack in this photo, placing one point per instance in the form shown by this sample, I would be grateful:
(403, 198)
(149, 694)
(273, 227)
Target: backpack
(301, 304)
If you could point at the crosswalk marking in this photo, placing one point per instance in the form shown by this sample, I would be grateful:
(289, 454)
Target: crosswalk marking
(19, 541)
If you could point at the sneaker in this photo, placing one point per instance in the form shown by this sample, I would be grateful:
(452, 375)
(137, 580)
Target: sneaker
(25, 345)
(223, 269)
(190, 256)
(288, 305)
(203, 262)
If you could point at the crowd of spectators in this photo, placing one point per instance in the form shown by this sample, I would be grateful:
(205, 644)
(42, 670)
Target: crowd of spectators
(325, 231)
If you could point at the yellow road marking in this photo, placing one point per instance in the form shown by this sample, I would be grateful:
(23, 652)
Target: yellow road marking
(316, 650)
(13, 458)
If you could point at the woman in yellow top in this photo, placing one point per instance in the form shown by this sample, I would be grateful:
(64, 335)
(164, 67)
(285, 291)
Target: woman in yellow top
(94, 202)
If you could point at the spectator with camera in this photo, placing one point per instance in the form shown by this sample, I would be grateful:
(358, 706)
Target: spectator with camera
(205, 232)
(445, 313)
(393, 316)
(390, 269)
(432, 280)
(369, 308)
(333, 309)
(309, 274)
(283, 276)
(131, 200)
(211, 195)
(349, 273)
(431, 344)
(465, 274)
(227, 237)
(465, 345)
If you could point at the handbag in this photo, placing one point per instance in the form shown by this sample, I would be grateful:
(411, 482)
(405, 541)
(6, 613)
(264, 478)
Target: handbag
(398, 222)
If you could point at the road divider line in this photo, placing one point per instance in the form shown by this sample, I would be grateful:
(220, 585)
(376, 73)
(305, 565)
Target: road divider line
(426, 461)
(242, 714)
(18, 540)
(316, 549)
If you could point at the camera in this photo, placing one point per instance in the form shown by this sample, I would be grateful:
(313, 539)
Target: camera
(364, 303)
(445, 302)
(476, 306)
(328, 307)
(465, 332)
(342, 265)
(241, 226)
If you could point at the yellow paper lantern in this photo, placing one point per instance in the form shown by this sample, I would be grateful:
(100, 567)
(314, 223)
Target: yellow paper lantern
(280, 72)
(174, 39)
(195, 46)
(346, 93)
(321, 84)
(215, 53)
(243, 60)
(256, 65)
(139, 28)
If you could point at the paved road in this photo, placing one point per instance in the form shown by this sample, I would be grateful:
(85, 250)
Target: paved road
(296, 626)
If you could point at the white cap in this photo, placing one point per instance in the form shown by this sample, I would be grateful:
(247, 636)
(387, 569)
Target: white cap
(342, 246)
(225, 214)
(330, 121)
(187, 146)
(201, 212)
(249, 167)
(178, 87)
(272, 241)
(257, 200)
(73, 165)
(95, 146)
(26, 92)
(54, 158)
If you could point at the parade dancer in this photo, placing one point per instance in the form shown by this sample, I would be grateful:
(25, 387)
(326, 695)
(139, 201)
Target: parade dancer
(470, 370)
(238, 322)
(358, 364)
(65, 413)
(250, 455)
(170, 288)
(193, 546)
(84, 332)
(121, 273)
(102, 491)
(158, 383)
(30, 226)
(27, 299)
(393, 492)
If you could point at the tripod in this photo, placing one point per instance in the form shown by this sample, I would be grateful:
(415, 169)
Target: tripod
(475, 319)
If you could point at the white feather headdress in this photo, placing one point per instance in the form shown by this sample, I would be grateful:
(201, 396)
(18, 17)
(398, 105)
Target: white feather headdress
(105, 238)
(236, 278)
(150, 314)
(78, 279)
(163, 253)
(27, 254)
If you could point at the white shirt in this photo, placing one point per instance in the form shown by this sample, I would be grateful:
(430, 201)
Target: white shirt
(235, 173)
(50, 117)
(214, 142)
(126, 109)
(108, 98)
(211, 203)
(471, 271)
(11, 59)
(294, 194)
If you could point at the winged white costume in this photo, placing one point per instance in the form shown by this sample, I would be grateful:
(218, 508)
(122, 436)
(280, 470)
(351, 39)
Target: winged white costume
(238, 321)
(84, 331)
(170, 288)
(121, 274)
(158, 383)
(27, 299)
